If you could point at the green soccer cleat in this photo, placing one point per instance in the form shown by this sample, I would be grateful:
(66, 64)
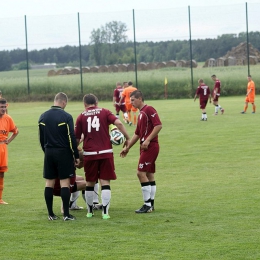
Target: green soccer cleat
(90, 215)
(106, 216)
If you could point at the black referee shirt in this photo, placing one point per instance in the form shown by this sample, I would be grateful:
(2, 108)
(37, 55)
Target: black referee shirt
(56, 130)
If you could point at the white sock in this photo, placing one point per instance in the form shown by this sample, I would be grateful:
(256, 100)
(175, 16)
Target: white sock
(83, 195)
(126, 115)
(106, 197)
(205, 116)
(146, 190)
(89, 200)
(219, 106)
(73, 198)
(216, 109)
(96, 191)
(153, 191)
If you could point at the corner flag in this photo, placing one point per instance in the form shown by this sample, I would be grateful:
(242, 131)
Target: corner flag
(165, 88)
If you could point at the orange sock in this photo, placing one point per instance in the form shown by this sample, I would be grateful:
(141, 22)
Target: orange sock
(1, 187)
(245, 107)
(129, 116)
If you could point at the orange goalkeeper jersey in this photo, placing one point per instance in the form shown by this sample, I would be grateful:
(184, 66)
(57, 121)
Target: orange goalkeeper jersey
(127, 92)
(251, 86)
(6, 125)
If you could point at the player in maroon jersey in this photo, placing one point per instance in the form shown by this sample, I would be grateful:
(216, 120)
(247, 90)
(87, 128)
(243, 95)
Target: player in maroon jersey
(147, 129)
(216, 94)
(77, 184)
(94, 123)
(204, 92)
(116, 98)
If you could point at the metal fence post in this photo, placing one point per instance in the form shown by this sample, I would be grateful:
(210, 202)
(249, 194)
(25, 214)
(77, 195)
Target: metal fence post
(27, 60)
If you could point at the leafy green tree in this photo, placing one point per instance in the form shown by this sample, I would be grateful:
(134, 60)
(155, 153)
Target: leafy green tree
(5, 61)
(108, 37)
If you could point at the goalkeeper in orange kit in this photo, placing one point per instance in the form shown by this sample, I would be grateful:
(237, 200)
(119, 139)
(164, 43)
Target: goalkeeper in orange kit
(250, 95)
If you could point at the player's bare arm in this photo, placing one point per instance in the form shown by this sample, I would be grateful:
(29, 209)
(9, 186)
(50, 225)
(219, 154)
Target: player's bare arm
(120, 101)
(122, 129)
(154, 133)
(77, 162)
(126, 149)
(11, 138)
(114, 101)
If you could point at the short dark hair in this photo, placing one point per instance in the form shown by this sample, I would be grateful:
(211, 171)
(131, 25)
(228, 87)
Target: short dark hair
(130, 83)
(249, 76)
(3, 101)
(61, 97)
(137, 94)
(213, 76)
(90, 99)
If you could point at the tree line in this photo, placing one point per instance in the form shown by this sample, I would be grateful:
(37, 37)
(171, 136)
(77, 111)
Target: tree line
(109, 45)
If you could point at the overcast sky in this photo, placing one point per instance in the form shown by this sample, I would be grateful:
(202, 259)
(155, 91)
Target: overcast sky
(54, 23)
(16, 8)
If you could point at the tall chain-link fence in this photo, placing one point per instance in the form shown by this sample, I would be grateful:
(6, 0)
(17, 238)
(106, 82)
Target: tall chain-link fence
(169, 37)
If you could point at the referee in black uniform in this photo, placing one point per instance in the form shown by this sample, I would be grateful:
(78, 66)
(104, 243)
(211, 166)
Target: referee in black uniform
(58, 142)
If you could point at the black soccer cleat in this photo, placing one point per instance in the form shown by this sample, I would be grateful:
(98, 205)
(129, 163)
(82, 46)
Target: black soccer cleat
(144, 209)
(69, 217)
(53, 217)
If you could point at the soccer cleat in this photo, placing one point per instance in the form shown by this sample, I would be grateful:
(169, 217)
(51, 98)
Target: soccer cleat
(222, 111)
(253, 112)
(130, 123)
(53, 217)
(215, 114)
(69, 217)
(202, 119)
(3, 202)
(97, 206)
(106, 216)
(90, 215)
(76, 207)
(243, 112)
(144, 209)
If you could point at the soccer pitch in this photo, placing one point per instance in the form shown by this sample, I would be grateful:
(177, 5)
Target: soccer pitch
(206, 205)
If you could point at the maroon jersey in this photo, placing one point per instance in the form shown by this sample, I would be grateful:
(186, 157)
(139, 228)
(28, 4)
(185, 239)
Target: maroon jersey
(117, 95)
(203, 91)
(147, 120)
(216, 90)
(94, 123)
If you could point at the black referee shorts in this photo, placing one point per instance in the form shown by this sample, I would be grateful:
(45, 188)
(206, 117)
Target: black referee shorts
(58, 163)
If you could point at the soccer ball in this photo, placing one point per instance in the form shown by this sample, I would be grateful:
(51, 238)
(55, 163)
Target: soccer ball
(116, 137)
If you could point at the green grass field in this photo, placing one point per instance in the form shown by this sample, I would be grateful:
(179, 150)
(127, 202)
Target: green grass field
(207, 201)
